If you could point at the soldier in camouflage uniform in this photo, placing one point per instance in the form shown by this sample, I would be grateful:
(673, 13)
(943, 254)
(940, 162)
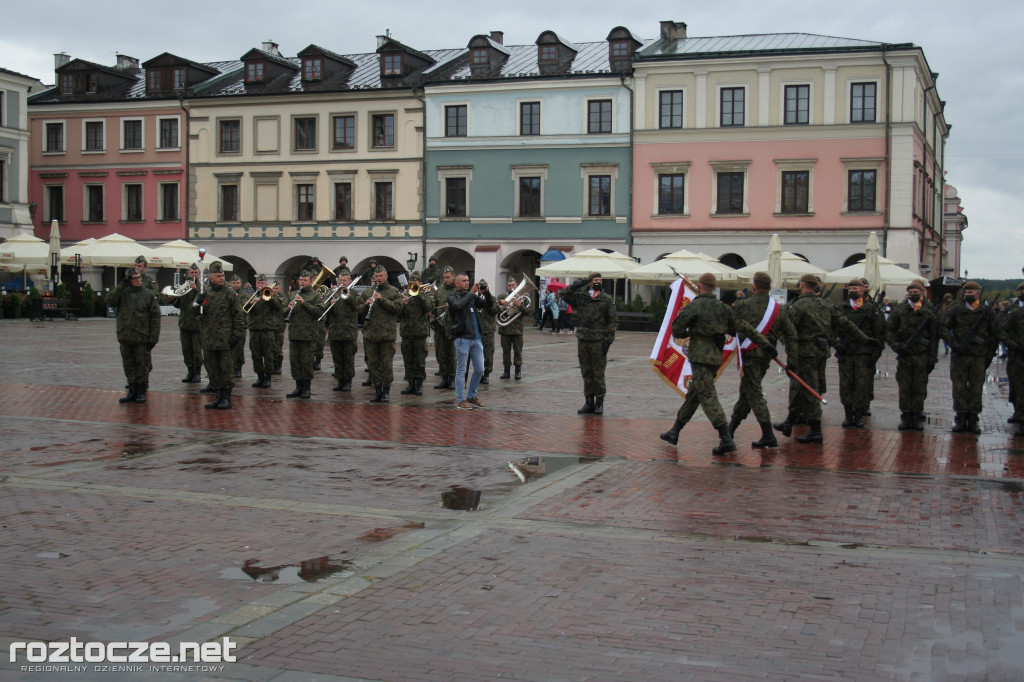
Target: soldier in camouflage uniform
(141, 265)
(383, 305)
(706, 321)
(138, 330)
(315, 267)
(263, 322)
(487, 327)
(972, 333)
(303, 334)
(817, 322)
(343, 333)
(239, 350)
(596, 322)
(279, 326)
(223, 325)
(752, 310)
(857, 360)
(415, 329)
(1013, 339)
(913, 334)
(432, 274)
(444, 343)
(511, 334)
(188, 328)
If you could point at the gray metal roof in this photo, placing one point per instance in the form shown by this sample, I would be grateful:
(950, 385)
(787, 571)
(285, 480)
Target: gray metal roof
(751, 44)
(590, 59)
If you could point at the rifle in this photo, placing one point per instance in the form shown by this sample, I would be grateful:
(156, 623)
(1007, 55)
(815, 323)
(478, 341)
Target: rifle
(960, 347)
(908, 344)
(800, 381)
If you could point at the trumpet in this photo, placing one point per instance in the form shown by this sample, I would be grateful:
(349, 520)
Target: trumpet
(415, 288)
(264, 294)
(510, 313)
(338, 293)
(178, 291)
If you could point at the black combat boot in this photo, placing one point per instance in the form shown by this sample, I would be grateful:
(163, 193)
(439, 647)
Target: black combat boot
(259, 381)
(277, 366)
(917, 421)
(767, 437)
(599, 404)
(733, 425)
(506, 374)
(385, 394)
(848, 419)
(858, 418)
(298, 390)
(785, 427)
(410, 389)
(418, 388)
(188, 377)
(213, 404)
(130, 396)
(266, 381)
(197, 374)
(306, 392)
(672, 435)
(367, 383)
(484, 379)
(339, 385)
(1019, 433)
(208, 388)
(225, 400)
(346, 385)
(972, 424)
(316, 363)
(814, 435)
(960, 422)
(238, 371)
(519, 372)
(588, 407)
(725, 442)
(377, 393)
(140, 392)
(906, 421)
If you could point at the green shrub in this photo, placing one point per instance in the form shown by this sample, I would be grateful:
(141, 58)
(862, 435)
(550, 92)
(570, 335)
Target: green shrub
(658, 307)
(88, 301)
(15, 305)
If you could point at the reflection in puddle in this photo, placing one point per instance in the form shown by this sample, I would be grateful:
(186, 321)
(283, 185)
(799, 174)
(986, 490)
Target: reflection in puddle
(135, 450)
(459, 497)
(52, 555)
(310, 571)
(536, 467)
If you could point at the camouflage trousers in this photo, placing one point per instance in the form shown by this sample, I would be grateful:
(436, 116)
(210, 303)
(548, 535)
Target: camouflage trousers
(488, 340)
(593, 360)
(191, 347)
(220, 367)
(912, 379)
(135, 360)
(261, 349)
(701, 393)
(238, 352)
(511, 347)
(321, 343)
(751, 393)
(856, 380)
(967, 373)
(380, 357)
(812, 371)
(343, 353)
(1015, 372)
(278, 345)
(444, 351)
(414, 358)
(300, 357)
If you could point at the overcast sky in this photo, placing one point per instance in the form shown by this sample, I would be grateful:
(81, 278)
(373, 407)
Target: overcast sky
(974, 46)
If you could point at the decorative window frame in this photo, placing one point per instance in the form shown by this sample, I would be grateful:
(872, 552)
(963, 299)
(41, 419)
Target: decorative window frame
(394, 131)
(124, 202)
(531, 171)
(302, 178)
(672, 168)
(159, 120)
(219, 146)
(586, 114)
(86, 218)
(850, 82)
(657, 106)
(342, 177)
(64, 137)
(383, 175)
(589, 169)
(810, 102)
(228, 179)
(519, 115)
(444, 119)
(443, 174)
(160, 215)
(874, 163)
(295, 118)
(730, 167)
(54, 187)
(789, 165)
(85, 141)
(333, 116)
(746, 103)
(142, 135)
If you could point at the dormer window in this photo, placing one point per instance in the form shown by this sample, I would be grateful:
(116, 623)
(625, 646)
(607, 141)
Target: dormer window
(620, 49)
(312, 68)
(254, 72)
(392, 64)
(178, 76)
(90, 82)
(548, 54)
(480, 56)
(67, 84)
(153, 79)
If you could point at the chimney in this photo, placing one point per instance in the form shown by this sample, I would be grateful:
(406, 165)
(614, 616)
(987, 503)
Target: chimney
(673, 30)
(381, 40)
(60, 59)
(271, 47)
(498, 37)
(126, 63)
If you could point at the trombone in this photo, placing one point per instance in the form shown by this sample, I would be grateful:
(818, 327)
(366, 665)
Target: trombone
(264, 294)
(415, 288)
(338, 293)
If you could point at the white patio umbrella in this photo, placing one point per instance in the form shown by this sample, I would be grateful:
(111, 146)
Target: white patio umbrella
(115, 250)
(67, 254)
(872, 268)
(54, 252)
(684, 262)
(180, 254)
(889, 274)
(25, 249)
(793, 268)
(775, 261)
(612, 265)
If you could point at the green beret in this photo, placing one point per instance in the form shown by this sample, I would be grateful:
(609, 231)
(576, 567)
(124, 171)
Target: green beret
(343, 271)
(236, 278)
(708, 280)
(306, 273)
(261, 278)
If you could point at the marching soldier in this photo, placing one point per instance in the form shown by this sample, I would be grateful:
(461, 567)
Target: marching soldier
(188, 328)
(706, 321)
(444, 343)
(487, 327)
(415, 328)
(596, 321)
(913, 334)
(343, 334)
(772, 320)
(1013, 339)
(223, 326)
(263, 323)
(817, 322)
(383, 305)
(857, 360)
(279, 325)
(239, 349)
(138, 330)
(970, 328)
(303, 334)
(511, 334)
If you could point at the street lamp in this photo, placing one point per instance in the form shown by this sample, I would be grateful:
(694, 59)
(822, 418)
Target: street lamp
(413, 257)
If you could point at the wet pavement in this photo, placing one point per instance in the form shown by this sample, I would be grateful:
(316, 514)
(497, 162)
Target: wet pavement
(313, 534)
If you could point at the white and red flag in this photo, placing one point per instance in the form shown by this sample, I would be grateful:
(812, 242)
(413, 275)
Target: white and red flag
(771, 313)
(668, 359)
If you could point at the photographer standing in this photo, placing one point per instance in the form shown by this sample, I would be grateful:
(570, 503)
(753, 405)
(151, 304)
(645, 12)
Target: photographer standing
(464, 306)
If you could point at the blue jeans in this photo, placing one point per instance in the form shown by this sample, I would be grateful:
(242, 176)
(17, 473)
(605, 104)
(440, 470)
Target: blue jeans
(465, 350)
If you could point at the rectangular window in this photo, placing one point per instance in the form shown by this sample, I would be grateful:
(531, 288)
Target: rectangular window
(254, 72)
(548, 54)
(733, 107)
(730, 193)
(153, 79)
(599, 116)
(230, 136)
(620, 49)
(392, 64)
(54, 203)
(169, 201)
(861, 190)
(382, 201)
(178, 75)
(862, 102)
(3, 178)
(168, 133)
(795, 191)
(312, 69)
(455, 197)
(344, 132)
(671, 194)
(304, 202)
(94, 203)
(600, 195)
(798, 104)
(455, 120)
(67, 84)
(229, 203)
(529, 197)
(132, 203)
(54, 137)
(343, 201)
(480, 56)
(94, 136)
(305, 134)
(384, 130)
(529, 118)
(670, 109)
(132, 135)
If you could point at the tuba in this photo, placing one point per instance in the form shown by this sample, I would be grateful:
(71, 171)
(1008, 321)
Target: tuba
(264, 294)
(318, 283)
(510, 313)
(178, 291)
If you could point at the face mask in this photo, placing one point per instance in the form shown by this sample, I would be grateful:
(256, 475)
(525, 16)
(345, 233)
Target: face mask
(915, 298)
(854, 295)
(970, 298)
(1020, 295)
(596, 286)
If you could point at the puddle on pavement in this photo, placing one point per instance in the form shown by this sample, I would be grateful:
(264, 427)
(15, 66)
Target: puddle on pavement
(460, 498)
(52, 555)
(310, 571)
(136, 450)
(1005, 486)
(537, 467)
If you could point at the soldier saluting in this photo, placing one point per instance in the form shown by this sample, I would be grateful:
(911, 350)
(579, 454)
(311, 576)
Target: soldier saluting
(138, 330)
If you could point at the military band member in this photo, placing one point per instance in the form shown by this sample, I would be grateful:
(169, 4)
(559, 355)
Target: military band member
(415, 328)
(263, 322)
(970, 328)
(239, 349)
(511, 334)
(487, 327)
(706, 321)
(596, 321)
(223, 325)
(383, 305)
(303, 334)
(1013, 339)
(444, 342)
(913, 334)
(138, 330)
(343, 333)
(315, 267)
(857, 360)
(188, 328)
(279, 326)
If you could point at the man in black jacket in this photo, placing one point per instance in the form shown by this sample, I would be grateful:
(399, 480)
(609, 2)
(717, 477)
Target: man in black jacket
(464, 306)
